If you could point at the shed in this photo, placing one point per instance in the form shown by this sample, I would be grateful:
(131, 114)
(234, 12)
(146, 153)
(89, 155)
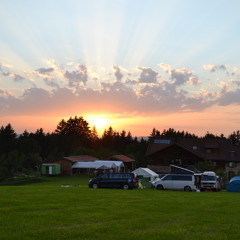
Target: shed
(234, 184)
(146, 173)
(50, 169)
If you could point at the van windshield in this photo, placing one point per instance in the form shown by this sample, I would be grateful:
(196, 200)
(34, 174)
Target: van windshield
(208, 178)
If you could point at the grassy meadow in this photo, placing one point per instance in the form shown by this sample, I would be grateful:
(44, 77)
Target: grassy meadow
(45, 210)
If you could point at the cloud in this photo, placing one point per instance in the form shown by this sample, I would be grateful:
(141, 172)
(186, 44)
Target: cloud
(51, 83)
(77, 90)
(78, 77)
(6, 74)
(118, 73)
(179, 76)
(45, 70)
(224, 87)
(148, 75)
(193, 80)
(165, 67)
(236, 82)
(230, 97)
(18, 78)
(4, 93)
(214, 68)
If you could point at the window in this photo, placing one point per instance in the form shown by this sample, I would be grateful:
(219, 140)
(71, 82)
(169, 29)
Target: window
(208, 150)
(232, 164)
(113, 175)
(105, 176)
(194, 147)
(208, 178)
(182, 178)
(232, 153)
(168, 177)
(162, 141)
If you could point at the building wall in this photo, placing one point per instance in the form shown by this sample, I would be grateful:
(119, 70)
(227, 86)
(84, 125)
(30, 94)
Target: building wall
(66, 167)
(174, 155)
(232, 169)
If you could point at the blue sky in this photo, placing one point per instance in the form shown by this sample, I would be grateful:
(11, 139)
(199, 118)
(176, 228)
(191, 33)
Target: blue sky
(140, 64)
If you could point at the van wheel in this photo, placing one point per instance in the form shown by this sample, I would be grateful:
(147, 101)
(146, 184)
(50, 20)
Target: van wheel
(95, 185)
(159, 187)
(125, 187)
(187, 189)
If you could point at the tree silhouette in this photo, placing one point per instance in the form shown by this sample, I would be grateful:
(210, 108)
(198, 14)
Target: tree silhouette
(73, 133)
(7, 139)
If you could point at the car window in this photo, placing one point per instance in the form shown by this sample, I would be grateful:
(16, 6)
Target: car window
(182, 178)
(105, 176)
(168, 177)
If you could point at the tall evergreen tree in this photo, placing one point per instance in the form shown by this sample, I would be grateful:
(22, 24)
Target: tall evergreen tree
(7, 139)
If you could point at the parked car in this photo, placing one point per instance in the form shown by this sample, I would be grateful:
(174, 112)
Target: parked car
(176, 182)
(114, 180)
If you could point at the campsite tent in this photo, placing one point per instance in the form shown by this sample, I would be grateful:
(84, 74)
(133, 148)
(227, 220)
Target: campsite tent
(119, 164)
(146, 173)
(116, 166)
(234, 184)
(94, 165)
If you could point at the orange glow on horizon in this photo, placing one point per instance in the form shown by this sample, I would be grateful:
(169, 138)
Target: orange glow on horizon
(198, 123)
(100, 122)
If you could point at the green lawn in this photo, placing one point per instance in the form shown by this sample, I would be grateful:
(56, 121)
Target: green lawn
(45, 210)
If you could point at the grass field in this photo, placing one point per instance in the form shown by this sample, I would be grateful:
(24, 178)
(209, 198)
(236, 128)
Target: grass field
(45, 210)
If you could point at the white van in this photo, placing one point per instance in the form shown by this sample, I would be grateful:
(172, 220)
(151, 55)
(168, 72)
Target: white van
(210, 181)
(184, 182)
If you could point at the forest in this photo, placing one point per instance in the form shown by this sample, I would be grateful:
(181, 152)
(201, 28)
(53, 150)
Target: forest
(24, 153)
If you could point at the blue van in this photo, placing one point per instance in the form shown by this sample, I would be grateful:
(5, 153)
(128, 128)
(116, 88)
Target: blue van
(114, 180)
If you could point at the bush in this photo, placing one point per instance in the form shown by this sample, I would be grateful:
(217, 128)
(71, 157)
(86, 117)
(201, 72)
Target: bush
(3, 173)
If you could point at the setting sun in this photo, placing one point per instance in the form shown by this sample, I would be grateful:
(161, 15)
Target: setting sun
(99, 121)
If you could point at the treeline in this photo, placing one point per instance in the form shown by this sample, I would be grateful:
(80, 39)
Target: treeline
(24, 153)
(172, 133)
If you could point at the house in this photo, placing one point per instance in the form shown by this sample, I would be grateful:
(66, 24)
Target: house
(66, 163)
(128, 162)
(188, 152)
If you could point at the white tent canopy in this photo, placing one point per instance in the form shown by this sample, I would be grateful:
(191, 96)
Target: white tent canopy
(146, 173)
(93, 165)
(119, 164)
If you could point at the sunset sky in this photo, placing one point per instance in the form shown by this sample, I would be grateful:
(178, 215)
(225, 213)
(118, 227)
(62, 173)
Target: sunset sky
(130, 64)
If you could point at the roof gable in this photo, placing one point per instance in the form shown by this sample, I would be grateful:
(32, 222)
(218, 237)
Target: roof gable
(81, 158)
(216, 149)
(122, 158)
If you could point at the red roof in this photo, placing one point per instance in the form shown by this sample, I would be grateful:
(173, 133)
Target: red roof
(122, 158)
(81, 158)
